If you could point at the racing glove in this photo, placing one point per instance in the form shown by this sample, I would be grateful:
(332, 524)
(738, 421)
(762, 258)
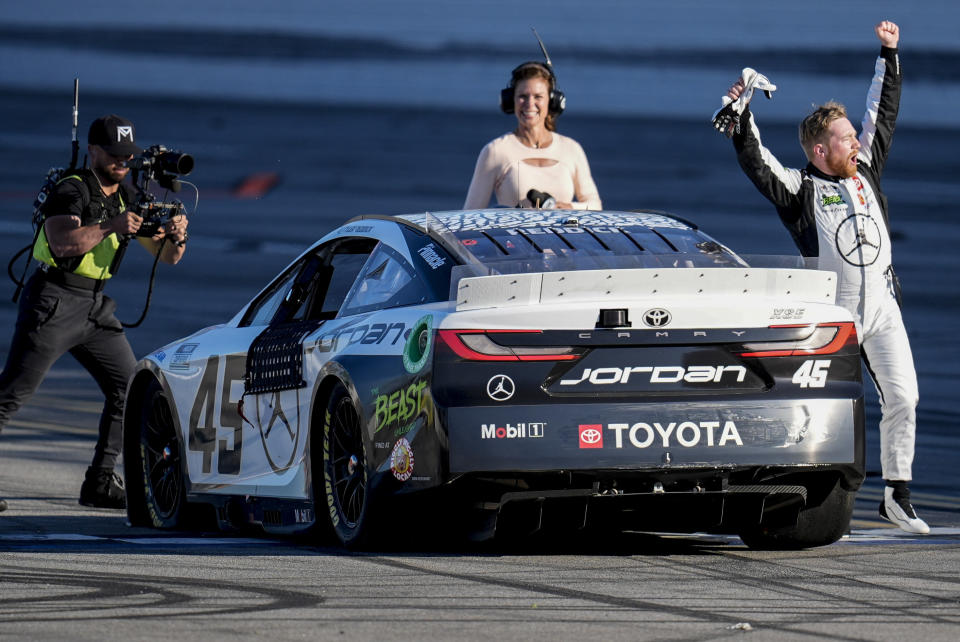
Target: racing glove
(727, 119)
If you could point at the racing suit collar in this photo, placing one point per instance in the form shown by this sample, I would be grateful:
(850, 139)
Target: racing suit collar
(812, 170)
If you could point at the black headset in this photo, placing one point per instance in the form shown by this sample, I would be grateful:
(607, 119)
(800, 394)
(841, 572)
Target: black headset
(558, 102)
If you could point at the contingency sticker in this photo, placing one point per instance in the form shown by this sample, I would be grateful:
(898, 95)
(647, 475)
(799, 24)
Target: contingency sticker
(401, 460)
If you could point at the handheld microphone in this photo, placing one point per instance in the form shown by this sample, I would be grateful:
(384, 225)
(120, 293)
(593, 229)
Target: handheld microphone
(541, 200)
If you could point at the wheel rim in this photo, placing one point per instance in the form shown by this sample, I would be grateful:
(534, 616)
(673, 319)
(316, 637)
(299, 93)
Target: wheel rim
(161, 457)
(347, 464)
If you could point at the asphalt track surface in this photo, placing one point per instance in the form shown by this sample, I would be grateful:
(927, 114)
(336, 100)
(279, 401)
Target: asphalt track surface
(272, 180)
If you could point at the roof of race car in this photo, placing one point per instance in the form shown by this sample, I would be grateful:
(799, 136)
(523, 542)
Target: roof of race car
(499, 235)
(467, 220)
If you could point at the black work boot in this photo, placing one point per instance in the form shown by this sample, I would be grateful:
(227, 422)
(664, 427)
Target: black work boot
(103, 488)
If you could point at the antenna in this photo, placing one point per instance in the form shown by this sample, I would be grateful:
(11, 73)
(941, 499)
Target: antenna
(546, 56)
(74, 144)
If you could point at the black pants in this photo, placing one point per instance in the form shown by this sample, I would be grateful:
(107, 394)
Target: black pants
(54, 319)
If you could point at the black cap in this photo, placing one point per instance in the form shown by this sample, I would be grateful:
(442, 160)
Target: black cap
(114, 134)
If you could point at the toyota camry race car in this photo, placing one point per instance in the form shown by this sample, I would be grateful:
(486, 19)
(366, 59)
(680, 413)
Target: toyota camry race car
(572, 370)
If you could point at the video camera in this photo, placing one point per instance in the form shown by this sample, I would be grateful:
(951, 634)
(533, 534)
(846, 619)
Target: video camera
(162, 166)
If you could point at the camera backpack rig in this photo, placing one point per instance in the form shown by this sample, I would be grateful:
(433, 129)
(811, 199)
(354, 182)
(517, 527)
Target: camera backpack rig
(156, 164)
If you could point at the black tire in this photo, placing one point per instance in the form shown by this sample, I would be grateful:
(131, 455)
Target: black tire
(346, 479)
(816, 526)
(154, 480)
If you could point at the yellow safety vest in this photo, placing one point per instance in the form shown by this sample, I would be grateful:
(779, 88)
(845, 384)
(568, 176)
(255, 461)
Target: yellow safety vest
(96, 263)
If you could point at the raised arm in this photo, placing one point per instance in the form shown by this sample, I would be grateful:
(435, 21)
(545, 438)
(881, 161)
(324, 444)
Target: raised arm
(778, 183)
(883, 99)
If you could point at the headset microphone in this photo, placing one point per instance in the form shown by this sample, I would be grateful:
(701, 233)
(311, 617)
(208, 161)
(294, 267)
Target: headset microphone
(558, 102)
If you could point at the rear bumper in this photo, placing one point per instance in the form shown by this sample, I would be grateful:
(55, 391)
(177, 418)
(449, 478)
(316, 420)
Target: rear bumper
(655, 436)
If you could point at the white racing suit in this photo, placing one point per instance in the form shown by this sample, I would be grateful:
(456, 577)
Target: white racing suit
(844, 223)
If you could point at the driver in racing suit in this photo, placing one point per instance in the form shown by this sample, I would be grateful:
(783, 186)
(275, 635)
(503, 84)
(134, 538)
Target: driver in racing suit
(835, 210)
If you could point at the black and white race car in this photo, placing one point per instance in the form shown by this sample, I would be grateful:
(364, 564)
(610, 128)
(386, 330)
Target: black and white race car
(596, 370)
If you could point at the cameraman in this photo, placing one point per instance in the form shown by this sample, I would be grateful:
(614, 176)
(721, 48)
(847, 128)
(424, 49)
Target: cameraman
(63, 307)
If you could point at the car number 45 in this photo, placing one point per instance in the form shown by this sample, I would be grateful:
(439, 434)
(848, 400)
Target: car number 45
(812, 374)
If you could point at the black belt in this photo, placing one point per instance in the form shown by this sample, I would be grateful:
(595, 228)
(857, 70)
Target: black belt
(58, 276)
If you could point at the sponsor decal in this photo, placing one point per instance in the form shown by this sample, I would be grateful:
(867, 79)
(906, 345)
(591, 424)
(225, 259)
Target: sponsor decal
(686, 434)
(356, 229)
(858, 240)
(500, 387)
(859, 184)
(656, 317)
(658, 374)
(181, 358)
(401, 407)
(302, 515)
(327, 480)
(124, 131)
(378, 333)
(401, 460)
(279, 434)
(512, 431)
(547, 230)
(834, 199)
(591, 435)
(160, 356)
(417, 348)
(429, 254)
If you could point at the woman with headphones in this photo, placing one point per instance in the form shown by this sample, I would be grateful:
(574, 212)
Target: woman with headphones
(533, 166)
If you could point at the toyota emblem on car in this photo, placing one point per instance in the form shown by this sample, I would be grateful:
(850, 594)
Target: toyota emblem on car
(500, 387)
(656, 318)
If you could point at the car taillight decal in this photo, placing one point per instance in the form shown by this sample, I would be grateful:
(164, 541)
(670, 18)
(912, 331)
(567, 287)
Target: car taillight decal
(826, 338)
(479, 345)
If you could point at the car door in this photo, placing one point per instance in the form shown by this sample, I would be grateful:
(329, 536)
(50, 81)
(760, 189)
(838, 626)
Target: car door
(209, 370)
(278, 381)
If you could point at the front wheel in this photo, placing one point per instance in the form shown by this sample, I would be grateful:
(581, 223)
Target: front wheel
(346, 481)
(816, 526)
(154, 480)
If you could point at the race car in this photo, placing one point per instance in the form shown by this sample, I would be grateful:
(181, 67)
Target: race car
(572, 370)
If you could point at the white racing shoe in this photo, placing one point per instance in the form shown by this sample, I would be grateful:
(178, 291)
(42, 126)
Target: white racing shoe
(899, 511)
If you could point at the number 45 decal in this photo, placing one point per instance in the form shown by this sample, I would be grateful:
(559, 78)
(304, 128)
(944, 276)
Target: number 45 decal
(812, 374)
(204, 425)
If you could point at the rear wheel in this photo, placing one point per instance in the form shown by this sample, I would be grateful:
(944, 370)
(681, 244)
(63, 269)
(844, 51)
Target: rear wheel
(154, 480)
(346, 481)
(816, 526)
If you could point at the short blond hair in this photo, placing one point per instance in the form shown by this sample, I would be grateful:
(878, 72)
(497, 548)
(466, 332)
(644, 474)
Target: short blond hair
(813, 128)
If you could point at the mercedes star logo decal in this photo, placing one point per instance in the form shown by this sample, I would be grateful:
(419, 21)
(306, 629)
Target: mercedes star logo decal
(500, 387)
(656, 318)
(858, 240)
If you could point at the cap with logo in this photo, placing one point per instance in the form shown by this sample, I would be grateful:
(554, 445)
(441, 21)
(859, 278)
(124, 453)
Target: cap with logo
(114, 134)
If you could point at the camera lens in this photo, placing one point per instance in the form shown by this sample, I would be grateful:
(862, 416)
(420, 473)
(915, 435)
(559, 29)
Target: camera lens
(176, 163)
